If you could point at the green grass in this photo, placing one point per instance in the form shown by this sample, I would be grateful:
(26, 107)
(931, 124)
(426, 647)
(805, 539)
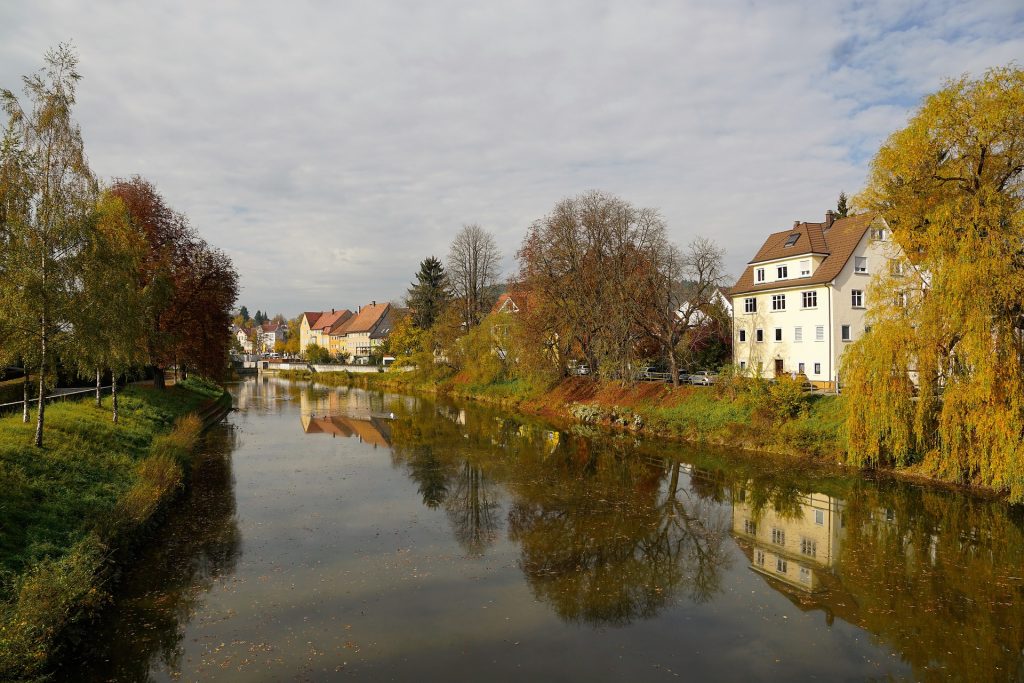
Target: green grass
(51, 497)
(69, 509)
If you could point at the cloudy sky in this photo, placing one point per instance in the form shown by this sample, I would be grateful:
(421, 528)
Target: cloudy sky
(328, 147)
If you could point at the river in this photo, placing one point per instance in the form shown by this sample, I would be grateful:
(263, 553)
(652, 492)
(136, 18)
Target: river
(337, 532)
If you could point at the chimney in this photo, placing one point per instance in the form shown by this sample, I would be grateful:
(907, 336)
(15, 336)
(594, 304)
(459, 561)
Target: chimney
(830, 218)
(373, 303)
(796, 224)
(332, 311)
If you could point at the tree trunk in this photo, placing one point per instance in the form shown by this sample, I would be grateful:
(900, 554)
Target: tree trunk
(24, 395)
(673, 367)
(42, 387)
(158, 378)
(98, 387)
(113, 394)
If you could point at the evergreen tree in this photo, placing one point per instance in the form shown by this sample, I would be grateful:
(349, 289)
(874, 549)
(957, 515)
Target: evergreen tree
(842, 210)
(430, 293)
(244, 312)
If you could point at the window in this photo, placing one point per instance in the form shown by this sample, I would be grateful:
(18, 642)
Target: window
(845, 333)
(743, 335)
(791, 240)
(896, 267)
(805, 268)
(809, 547)
(809, 299)
(798, 336)
(759, 335)
(819, 333)
(900, 300)
(860, 264)
(759, 275)
(778, 334)
(878, 234)
(819, 517)
(817, 368)
(759, 558)
(780, 565)
(750, 305)
(857, 298)
(778, 302)
(778, 536)
(800, 368)
(743, 365)
(750, 527)
(805, 575)
(783, 272)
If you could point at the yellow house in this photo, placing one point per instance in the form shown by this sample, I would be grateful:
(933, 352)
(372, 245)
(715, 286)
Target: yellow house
(360, 334)
(316, 326)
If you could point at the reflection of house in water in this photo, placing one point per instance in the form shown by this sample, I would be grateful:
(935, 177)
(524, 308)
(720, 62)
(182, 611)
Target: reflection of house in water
(794, 546)
(371, 430)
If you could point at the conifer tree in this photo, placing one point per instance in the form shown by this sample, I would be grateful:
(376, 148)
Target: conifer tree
(842, 210)
(430, 294)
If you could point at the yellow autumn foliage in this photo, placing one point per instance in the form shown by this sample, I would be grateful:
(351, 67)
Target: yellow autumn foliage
(950, 186)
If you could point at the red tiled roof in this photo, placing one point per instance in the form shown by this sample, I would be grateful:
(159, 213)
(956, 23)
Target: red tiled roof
(514, 297)
(327, 319)
(312, 317)
(837, 243)
(365, 320)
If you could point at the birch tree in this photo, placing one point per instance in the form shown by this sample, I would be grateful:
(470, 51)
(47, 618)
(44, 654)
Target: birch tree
(52, 191)
(108, 322)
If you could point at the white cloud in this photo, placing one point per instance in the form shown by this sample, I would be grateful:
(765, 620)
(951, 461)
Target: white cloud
(330, 148)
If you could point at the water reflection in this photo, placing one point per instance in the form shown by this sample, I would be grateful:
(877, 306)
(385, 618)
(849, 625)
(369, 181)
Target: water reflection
(199, 543)
(602, 531)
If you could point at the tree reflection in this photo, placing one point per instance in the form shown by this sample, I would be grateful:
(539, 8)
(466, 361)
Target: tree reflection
(604, 545)
(199, 542)
(472, 509)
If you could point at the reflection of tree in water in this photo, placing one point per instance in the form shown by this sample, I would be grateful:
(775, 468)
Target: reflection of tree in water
(430, 475)
(472, 509)
(198, 542)
(604, 545)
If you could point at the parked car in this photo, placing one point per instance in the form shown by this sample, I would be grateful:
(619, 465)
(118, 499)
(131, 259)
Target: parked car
(578, 368)
(647, 373)
(704, 377)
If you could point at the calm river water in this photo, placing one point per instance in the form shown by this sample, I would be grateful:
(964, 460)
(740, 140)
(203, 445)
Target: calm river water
(339, 532)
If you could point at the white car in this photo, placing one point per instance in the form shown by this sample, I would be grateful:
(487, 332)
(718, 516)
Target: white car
(704, 377)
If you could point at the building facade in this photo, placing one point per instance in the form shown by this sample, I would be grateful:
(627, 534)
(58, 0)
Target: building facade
(803, 298)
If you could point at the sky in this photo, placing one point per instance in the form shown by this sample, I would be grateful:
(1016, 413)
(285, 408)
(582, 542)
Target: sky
(329, 147)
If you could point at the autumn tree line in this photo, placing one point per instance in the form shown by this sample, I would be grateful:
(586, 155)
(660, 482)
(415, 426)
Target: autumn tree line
(96, 277)
(599, 284)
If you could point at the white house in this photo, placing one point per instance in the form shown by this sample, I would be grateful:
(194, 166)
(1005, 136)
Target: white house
(270, 333)
(803, 297)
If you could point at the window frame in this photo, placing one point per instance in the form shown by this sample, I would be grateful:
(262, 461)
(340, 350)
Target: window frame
(857, 298)
(778, 302)
(782, 272)
(809, 296)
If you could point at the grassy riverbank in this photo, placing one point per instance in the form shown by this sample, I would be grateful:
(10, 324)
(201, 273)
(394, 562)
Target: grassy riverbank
(753, 416)
(71, 511)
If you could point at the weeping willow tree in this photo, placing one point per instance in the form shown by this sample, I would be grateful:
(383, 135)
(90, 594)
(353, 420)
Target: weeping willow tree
(950, 186)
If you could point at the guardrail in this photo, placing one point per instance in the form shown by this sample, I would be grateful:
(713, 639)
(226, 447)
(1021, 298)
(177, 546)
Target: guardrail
(63, 396)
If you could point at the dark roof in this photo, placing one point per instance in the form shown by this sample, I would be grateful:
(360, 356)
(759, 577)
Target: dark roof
(837, 243)
(312, 317)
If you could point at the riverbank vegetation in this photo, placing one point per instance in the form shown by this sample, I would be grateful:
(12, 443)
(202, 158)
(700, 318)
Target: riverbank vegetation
(933, 387)
(98, 279)
(69, 512)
